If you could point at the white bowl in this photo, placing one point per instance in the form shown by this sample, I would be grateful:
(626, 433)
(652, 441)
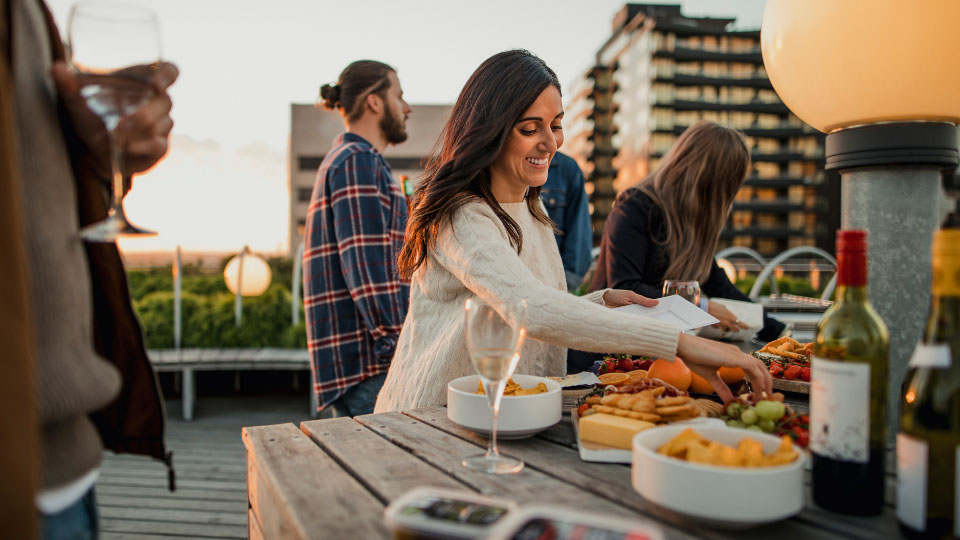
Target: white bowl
(520, 416)
(730, 497)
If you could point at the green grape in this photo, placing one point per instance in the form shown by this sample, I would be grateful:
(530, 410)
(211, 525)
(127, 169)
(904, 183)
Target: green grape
(734, 423)
(755, 428)
(771, 410)
(733, 410)
(749, 416)
(767, 425)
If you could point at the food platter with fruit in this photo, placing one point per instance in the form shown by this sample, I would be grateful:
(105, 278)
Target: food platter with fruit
(789, 363)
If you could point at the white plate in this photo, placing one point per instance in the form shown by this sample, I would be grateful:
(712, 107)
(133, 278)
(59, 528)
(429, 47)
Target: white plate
(601, 453)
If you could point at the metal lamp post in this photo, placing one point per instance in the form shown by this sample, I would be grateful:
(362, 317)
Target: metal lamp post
(880, 78)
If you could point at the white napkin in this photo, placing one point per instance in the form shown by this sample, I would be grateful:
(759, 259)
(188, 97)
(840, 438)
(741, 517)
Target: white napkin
(672, 309)
(748, 313)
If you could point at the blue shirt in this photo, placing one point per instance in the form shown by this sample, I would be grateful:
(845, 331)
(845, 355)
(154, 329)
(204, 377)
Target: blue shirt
(566, 201)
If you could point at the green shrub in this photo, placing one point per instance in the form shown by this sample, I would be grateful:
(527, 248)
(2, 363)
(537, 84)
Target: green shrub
(786, 285)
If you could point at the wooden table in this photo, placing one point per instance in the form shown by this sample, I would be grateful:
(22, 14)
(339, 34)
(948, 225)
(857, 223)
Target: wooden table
(333, 478)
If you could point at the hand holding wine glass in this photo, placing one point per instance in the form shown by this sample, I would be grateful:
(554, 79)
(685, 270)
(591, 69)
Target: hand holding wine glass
(117, 76)
(494, 342)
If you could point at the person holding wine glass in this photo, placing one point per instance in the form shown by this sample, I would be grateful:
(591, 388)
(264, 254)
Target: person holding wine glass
(92, 382)
(478, 228)
(667, 227)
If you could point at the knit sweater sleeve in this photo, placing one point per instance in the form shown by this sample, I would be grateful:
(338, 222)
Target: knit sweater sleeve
(475, 249)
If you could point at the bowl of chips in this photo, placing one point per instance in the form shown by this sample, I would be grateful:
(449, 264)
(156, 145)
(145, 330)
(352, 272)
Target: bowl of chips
(724, 477)
(529, 405)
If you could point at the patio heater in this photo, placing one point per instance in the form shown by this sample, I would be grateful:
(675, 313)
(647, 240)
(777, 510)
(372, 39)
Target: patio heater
(881, 79)
(246, 275)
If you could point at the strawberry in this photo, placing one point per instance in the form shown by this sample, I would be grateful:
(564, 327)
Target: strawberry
(805, 374)
(792, 372)
(582, 409)
(625, 364)
(645, 363)
(776, 369)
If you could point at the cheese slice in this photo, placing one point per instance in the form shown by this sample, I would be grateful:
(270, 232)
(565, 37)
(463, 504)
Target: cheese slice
(615, 431)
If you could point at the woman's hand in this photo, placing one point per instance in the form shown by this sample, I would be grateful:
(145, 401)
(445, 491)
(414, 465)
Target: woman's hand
(623, 297)
(728, 321)
(704, 357)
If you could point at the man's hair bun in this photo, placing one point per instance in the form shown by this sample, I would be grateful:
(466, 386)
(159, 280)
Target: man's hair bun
(330, 96)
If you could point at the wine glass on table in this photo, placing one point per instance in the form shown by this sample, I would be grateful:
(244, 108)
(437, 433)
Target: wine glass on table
(114, 52)
(689, 290)
(493, 341)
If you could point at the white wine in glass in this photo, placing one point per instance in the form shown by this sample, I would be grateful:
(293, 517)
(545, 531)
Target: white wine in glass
(494, 342)
(689, 290)
(114, 52)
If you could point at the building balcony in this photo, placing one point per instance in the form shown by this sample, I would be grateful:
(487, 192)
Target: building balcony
(686, 79)
(779, 157)
(782, 131)
(776, 182)
(686, 54)
(749, 106)
(763, 232)
(773, 206)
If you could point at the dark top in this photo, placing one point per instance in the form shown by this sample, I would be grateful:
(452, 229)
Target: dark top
(633, 256)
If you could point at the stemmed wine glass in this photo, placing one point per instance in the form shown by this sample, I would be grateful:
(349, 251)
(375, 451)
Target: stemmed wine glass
(494, 342)
(114, 51)
(690, 290)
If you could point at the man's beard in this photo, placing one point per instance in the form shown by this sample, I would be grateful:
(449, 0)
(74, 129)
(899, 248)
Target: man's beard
(393, 128)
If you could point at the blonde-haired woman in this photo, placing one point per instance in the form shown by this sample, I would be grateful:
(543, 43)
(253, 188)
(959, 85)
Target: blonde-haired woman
(668, 225)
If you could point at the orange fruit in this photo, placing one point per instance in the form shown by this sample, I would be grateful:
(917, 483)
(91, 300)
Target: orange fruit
(636, 375)
(675, 373)
(730, 375)
(613, 378)
(700, 385)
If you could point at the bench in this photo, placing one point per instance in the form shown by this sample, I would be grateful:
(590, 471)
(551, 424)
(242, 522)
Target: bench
(187, 361)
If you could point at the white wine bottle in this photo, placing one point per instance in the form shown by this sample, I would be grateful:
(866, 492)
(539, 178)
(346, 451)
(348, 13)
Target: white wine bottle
(928, 444)
(848, 389)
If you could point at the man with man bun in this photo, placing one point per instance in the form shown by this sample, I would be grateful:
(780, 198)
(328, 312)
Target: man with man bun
(354, 300)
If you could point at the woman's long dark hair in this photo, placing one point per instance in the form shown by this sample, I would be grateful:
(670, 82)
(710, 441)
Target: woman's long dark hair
(490, 104)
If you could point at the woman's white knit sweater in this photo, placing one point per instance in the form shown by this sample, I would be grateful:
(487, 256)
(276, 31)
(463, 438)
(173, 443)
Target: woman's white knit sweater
(473, 256)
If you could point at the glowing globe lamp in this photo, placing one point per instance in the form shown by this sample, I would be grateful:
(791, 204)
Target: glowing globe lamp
(255, 276)
(837, 64)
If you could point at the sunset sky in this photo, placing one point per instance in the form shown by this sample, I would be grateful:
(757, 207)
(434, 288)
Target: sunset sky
(243, 62)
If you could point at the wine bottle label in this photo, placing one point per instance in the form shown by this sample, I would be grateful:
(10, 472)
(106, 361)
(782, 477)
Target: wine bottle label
(840, 410)
(931, 356)
(912, 481)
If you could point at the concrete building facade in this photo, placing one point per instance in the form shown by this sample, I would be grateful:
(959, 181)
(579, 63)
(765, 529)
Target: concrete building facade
(312, 131)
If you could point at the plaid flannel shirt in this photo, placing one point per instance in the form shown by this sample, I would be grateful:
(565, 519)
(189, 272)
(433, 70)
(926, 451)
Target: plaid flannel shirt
(353, 298)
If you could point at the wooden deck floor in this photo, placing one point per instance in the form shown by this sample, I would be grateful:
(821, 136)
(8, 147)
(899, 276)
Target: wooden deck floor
(211, 496)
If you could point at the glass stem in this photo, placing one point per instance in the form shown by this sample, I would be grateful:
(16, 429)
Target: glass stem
(494, 389)
(116, 201)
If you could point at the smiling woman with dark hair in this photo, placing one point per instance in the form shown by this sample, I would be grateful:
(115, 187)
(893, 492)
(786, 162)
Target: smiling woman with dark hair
(478, 227)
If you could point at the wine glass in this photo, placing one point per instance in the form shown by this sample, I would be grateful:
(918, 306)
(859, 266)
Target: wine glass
(689, 290)
(114, 52)
(494, 342)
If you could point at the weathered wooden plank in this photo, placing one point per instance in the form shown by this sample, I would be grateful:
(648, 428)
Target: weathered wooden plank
(296, 490)
(611, 481)
(560, 433)
(189, 530)
(174, 515)
(255, 531)
(186, 467)
(161, 492)
(236, 506)
(445, 453)
(199, 475)
(133, 536)
(108, 479)
(383, 467)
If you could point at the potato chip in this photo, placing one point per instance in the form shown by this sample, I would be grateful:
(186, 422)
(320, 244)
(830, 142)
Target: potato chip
(688, 445)
(514, 389)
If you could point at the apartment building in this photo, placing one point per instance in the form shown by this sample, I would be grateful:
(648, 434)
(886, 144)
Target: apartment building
(660, 72)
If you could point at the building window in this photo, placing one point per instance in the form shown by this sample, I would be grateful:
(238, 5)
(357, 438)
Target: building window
(312, 163)
(301, 228)
(309, 163)
(303, 194)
